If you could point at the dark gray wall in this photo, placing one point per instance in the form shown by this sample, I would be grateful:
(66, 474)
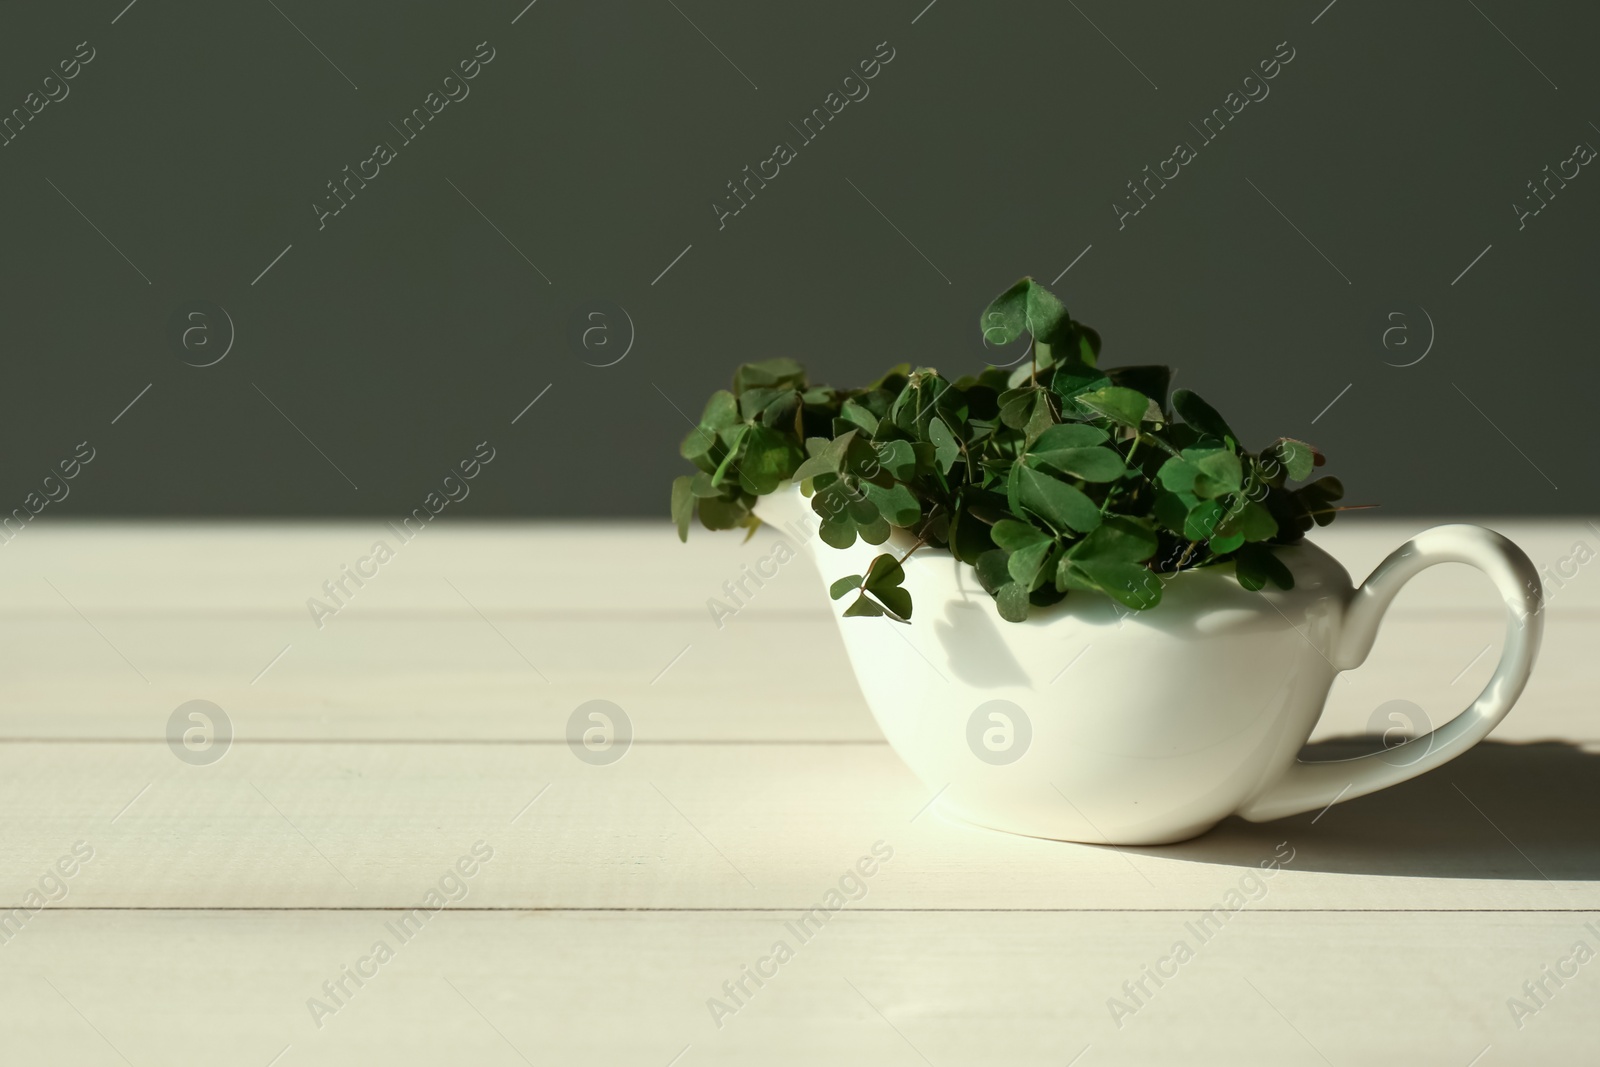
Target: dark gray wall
(383, 346)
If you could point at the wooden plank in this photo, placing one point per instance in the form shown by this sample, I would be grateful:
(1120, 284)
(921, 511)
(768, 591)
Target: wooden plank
(868, 989)
(427, 678)
(557, 571)
(740, 826)
(467, 677)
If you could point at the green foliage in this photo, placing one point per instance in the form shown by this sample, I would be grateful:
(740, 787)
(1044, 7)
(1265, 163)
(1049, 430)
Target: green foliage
(1051, 479)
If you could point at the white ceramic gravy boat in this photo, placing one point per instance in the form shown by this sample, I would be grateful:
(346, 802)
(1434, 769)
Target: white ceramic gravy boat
(1034, 728)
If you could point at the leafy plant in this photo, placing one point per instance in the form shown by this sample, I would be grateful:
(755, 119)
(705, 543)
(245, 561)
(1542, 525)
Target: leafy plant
(1053, 478)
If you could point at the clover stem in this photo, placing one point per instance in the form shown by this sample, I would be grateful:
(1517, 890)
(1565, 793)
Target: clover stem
(922, 538)
(1187, 552)
(913, 548)
(966, 457)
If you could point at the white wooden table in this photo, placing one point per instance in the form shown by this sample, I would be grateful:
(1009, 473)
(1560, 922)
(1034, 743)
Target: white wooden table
(430, 714)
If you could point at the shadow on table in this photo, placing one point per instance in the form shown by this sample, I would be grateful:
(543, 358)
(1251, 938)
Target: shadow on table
(1499, 810)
